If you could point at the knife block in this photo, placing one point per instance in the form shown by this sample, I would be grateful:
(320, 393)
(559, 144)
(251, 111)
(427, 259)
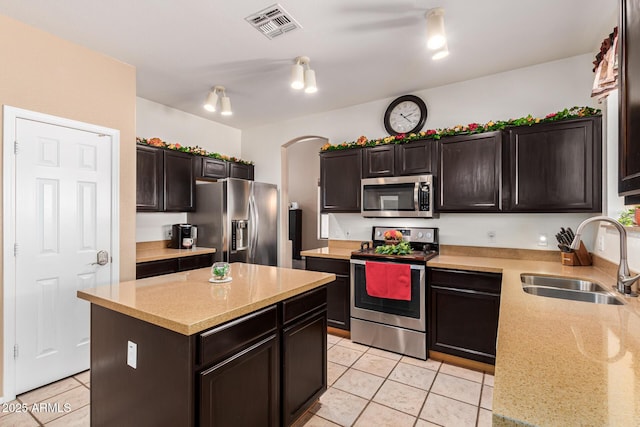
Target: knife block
(580, 257)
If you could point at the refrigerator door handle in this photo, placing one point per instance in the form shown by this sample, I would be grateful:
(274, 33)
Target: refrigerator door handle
(254, 222)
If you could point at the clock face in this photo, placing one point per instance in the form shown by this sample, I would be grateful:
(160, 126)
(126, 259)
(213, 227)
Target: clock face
(406, 114)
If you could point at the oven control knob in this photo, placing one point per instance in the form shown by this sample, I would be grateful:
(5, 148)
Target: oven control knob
(379, 233)
(420, 235)
(429, 235)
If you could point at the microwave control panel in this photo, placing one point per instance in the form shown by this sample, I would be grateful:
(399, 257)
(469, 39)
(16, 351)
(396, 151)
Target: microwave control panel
(424, 194)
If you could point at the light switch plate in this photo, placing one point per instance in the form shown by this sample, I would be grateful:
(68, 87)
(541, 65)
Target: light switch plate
(132, 354)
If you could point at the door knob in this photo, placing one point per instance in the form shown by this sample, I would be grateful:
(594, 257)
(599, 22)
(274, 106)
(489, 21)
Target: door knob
(102, 258)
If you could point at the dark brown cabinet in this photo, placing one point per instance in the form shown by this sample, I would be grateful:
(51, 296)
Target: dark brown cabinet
(164, 180)
(555, 167)
(470, 171)
(240, 170)
(243, 389)
(173, 265)
(416, 158)
(338, 291)
(378, 161)
(212, 168)
(340, 174)
(263, 369)
(304, 353)
(464, 309)
(629, 114)
(149, 172)
(179, 185)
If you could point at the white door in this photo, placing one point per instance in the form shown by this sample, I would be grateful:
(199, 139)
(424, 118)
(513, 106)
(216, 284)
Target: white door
(63, 219)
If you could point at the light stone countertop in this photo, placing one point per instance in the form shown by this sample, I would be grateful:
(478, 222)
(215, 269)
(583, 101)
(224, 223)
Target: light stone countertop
(188, 303)
(329, 252)
(560, 362)
(157, 254)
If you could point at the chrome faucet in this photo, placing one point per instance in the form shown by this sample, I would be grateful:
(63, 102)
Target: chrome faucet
(625, 280)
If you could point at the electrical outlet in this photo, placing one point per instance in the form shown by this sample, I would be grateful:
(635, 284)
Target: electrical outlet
(491, 235)
(169, 233)
(132, 354)
(601, 243)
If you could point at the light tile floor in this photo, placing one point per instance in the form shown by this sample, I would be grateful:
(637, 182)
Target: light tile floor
(63, 403)
(368, 386)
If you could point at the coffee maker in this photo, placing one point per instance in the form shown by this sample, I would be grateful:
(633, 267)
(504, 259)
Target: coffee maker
(183, 236)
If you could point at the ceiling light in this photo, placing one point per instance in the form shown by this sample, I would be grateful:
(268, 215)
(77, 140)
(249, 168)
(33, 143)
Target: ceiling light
(225, 102)
(212, 100)
(441, 53)
(303, 78)
(436, 38)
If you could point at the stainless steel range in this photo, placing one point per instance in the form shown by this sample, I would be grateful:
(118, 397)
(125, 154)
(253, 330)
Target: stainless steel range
(390, 312)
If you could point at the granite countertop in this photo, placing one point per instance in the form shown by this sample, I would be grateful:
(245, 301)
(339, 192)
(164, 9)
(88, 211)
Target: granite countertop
(560, 362)
(329, 252)
(188, 303)
(160, 253)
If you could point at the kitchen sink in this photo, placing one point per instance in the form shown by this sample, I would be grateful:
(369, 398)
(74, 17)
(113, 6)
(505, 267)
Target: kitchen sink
(567, 288)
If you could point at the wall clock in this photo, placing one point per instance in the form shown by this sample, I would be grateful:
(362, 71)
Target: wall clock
(405, 114)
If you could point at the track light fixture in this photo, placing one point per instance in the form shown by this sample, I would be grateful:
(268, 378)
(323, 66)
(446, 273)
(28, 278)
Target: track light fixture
(436, 38)
(301, 78)
(212, 100)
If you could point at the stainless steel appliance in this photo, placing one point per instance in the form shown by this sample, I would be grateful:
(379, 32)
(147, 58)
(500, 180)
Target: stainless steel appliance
(238, 218)
(393, 324)
(183, 236)
(398, 197)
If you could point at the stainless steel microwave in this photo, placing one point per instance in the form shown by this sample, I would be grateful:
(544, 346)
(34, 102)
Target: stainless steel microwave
(397, 197)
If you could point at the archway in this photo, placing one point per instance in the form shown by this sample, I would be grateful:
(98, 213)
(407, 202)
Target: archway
(297, 155)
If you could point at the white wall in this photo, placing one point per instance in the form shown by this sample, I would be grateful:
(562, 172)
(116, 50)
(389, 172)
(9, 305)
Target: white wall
(536, 90)
(171, 125)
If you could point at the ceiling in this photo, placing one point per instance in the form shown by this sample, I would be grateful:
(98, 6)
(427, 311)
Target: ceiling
(361, 50)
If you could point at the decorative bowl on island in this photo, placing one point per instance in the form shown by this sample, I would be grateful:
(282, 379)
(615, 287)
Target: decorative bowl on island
(220, 271)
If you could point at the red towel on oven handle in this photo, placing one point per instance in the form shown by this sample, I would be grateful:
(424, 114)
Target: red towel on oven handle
(388, 280)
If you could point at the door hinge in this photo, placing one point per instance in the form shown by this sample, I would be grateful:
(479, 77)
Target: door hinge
(15, 249)
(15, 147)
(15, 351)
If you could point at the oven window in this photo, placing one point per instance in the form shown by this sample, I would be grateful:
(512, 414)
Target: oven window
(384, 305)
(385, 197)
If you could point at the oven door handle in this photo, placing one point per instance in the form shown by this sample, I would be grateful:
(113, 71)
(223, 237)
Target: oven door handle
(413, 266)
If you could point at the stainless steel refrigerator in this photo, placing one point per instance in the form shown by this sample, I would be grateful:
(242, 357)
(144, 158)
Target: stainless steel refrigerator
(238, 218)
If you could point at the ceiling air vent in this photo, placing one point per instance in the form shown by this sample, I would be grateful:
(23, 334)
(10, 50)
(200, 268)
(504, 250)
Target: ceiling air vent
(273, 21)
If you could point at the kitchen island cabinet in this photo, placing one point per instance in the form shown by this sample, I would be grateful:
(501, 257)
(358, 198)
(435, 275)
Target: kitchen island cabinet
(178, 350)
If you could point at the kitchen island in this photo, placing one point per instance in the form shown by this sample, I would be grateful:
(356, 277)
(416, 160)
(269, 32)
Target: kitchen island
(179, 350)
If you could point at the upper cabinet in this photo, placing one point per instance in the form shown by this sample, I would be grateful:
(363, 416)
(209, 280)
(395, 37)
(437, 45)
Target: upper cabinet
(378, 161)
(416, 158)
(340, 174)
(149, 175)
(240, 170)
(555, 167)
(470, 171)
(179, 185)
(209, 167)
(629, 75)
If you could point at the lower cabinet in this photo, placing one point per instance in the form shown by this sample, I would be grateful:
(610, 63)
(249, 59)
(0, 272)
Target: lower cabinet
(464, 308)
(173, 265)
(243, 389)
(338, 291)
(304, 361)
(263, 369)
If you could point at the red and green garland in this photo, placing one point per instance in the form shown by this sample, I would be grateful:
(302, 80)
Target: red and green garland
(471, 128)
(199, 151)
